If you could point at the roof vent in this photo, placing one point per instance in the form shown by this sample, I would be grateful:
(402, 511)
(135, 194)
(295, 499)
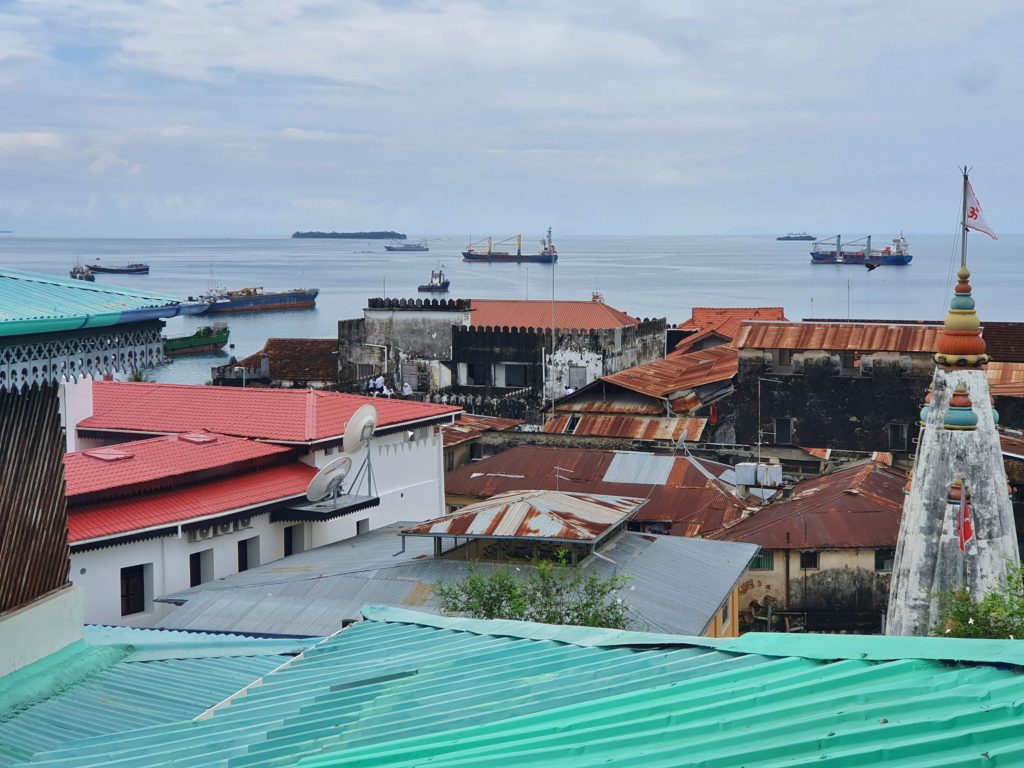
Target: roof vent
(108, 454)
(197, 438)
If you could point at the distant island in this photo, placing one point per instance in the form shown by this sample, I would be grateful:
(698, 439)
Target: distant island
(386, 235)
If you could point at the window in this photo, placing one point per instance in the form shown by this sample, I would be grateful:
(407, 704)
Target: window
(571, 425)
(515, 375)
(200, 567)
(248, 553)
(477, 373)
(577, 376)
(785, 357)
(884, 559)
(783, 431)
(725, 612)
(763, 561)
(809, 560)
(897, 437)
(851, 359)
(133, 589)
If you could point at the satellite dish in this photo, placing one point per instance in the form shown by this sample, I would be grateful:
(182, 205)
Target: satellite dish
(360, 429)
(329, 479)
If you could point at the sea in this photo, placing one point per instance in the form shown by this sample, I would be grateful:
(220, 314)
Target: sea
(645, 276)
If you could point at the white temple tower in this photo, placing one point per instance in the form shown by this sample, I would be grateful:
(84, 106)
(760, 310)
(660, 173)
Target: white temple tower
(958, 453)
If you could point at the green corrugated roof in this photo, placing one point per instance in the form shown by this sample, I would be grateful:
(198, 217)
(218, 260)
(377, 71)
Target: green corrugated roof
(405, 689)
(32, 303)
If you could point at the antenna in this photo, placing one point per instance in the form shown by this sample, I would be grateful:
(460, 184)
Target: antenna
(328, 481)
(360, 428)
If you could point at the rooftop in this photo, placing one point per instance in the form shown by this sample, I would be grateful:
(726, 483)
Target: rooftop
(160, 462)
(854, 337)
(858, 506)
(723, 322)
(1005, 379)
(469, 426)
(583, 315)
(298, 359)
(663, 428)
(676, 374)
(32, 303)
(405, 688)
(277, 415)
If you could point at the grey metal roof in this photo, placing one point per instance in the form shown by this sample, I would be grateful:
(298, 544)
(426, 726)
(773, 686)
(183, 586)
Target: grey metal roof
(643, 468)
(676, 584)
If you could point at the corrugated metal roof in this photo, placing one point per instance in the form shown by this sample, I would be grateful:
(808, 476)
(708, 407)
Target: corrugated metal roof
(407, 689)
(643, 468)
(635, 427)
(677, 583)
(1005, 379)
(723, 322)
(1004, 341)
(34, 303)
(674, 375)
(859, 506)
(469, 426)
(534, 514)
(582, 315)
(121, 679)
(854, 337)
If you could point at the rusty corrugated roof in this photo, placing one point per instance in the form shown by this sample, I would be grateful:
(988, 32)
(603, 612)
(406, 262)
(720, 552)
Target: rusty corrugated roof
(688, 500)
(584, 315)
(1005, 379)
(859, 506)
(1012, 445)
(469, 426)
(677, 373)
(1004, 342)
(635, 427)
(853, 337)
(535, 514)
(723, 322)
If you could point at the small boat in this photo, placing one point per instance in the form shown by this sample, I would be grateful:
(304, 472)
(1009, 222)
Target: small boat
(860, 252)
(796, 236)
(209, 338)
(78, 272)
(127, 269)
(420, 246)
(547, 255)
(438, 283)
(256, 299)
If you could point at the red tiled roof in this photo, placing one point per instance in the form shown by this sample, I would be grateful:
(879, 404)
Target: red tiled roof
(723, 321)
(677, 373)
(470, 426)
(143, 464)
(172, 507)
(854, 337)
(298, 359)
(635, 427)
(585, 315)
(284, 415)
(690, 502)
(859, 506)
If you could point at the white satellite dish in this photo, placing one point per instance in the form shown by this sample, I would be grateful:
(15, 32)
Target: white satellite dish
(360, 429)
(329, 479)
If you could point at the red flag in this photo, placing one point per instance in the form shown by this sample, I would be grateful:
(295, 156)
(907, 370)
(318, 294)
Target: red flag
(964, 528)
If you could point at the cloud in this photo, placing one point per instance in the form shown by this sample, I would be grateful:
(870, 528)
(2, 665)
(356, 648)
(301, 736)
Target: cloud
(305, 134)
(105, 159)
(31, 144)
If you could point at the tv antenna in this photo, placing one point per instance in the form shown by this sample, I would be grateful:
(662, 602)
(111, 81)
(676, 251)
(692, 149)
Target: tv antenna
(329, 481)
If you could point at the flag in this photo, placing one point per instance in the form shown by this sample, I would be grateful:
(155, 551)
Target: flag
(964, 528)
(973, 217)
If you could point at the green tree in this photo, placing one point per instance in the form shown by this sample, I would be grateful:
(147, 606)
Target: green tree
(999, 614)
(548, 593)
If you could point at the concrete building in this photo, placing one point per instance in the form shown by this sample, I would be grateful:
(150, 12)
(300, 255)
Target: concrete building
(958, 529)
(463, 440)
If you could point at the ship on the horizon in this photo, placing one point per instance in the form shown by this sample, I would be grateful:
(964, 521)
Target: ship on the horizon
(209, 338)
(420, 246)
(860, 252)
(438, 283)
(78, 272)
(257, 300)
(547, 255)
(138, 268)
(796, 236)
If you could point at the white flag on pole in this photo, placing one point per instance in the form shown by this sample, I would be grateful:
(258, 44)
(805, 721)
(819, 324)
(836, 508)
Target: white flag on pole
(974, 219)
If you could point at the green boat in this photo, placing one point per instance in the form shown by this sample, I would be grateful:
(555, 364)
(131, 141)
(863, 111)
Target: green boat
(205, 339)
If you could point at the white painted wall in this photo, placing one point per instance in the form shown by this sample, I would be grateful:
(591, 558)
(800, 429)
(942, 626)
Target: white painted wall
(40, 628)
(75, 406)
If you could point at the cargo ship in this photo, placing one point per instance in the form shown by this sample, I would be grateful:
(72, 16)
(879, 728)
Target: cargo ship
(420, 246)
(127, 269)
(209, 338)
(257, 300)
(438, 283)
(860, 252)
(78, 272)
(547, 255)
(796, 236)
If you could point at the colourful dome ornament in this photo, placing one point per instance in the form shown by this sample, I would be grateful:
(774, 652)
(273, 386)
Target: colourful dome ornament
(960, 344)
(961, 413)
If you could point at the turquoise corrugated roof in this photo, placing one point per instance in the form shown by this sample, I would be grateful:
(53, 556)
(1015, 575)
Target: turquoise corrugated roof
(121, 679)
(33, 303)
(408, 689)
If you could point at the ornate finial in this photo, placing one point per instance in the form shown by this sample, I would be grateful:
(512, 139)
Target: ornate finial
(926, 407)
(956, 491)
(961, 413)
(961, 344)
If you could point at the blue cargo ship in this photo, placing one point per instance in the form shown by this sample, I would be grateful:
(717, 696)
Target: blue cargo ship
(256, 299)
(547, 255)
(834, 251)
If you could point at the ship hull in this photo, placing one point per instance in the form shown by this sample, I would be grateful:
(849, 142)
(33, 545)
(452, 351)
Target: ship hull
(861, 259)
(265, 302)
(809, 238)
(140, 270)
(536, 258)
(417, 249)
(443, 288)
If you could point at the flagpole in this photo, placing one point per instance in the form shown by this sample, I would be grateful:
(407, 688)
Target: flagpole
(963, 222)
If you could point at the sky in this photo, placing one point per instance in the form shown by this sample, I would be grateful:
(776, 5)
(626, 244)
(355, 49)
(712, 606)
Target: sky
(214, 118)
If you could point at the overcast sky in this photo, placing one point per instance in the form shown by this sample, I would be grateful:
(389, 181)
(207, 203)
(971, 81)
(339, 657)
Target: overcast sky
(211, 117)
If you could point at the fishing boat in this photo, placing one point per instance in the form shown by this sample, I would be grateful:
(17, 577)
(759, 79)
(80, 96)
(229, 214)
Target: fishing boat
(209, 338)
(547, 255)
(257, 300)
(796, 236)
(78, 272)
(125, 269)
(420, 246)
(438, 283)
(860, 252)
